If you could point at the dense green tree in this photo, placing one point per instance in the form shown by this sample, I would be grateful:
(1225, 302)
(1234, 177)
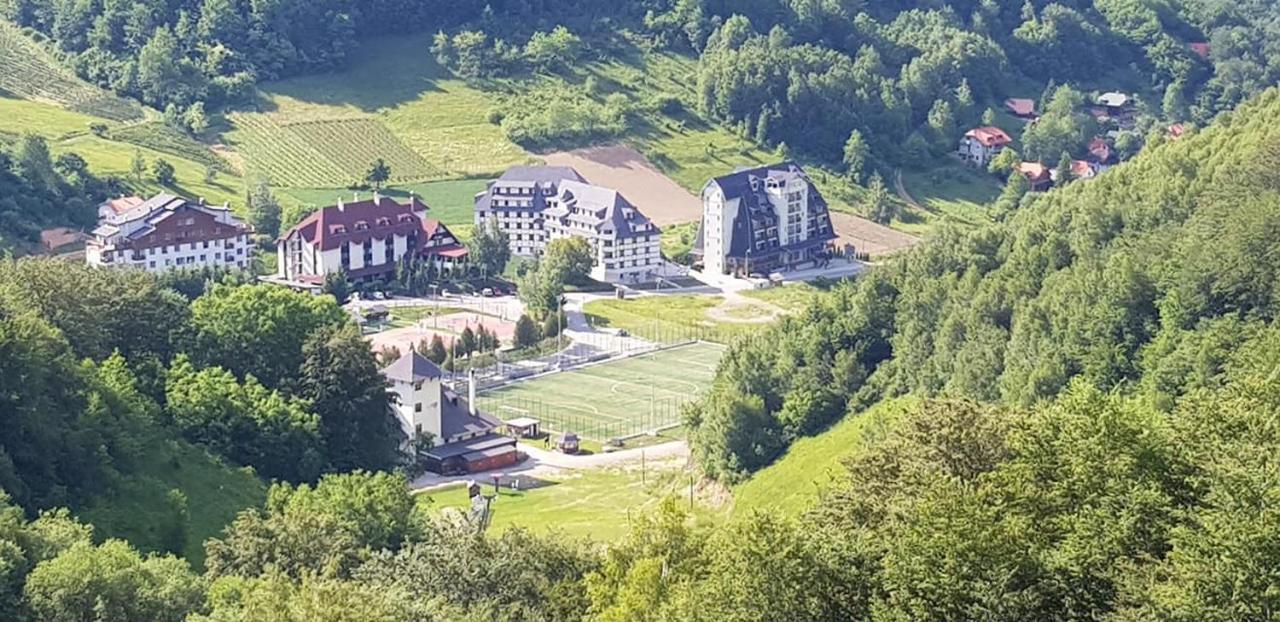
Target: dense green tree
(489, 248)
(378, 174)
(526, 333)
(856, 153)
(112, 581)
(162, 171)
(264, 211)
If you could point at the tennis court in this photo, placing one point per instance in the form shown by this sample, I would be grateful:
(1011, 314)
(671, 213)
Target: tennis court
(611, 400)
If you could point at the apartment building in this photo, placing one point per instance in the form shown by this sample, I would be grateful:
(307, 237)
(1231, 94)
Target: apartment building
(167, 232)
(516, 201)
(624, 243)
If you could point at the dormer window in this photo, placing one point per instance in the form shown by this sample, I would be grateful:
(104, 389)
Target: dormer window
(406, 218)
(383, 222)
(338, 229)
(361, 225)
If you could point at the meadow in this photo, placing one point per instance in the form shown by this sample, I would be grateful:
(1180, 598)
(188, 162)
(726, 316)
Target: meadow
(611, 400)
(668, 318)
(29, 71)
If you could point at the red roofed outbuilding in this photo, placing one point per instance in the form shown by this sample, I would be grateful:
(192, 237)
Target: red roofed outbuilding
(1037, 174)
(1023, 108)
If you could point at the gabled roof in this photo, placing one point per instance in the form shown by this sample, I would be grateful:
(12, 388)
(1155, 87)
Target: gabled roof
(1113, 99)
(1021, 107)
(1201, 48)
(606, 209)
(1034, 171)
(412, 367)
(745, 191)
(1177, 130)
(379, 217)
(541, 174)
(1099, 150)
(989, 136)
(456, 417)
(1081, 169)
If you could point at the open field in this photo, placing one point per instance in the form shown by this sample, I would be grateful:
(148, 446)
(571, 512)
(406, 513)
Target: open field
(791, 485)
(950, 192)
(789, 297)
(626, 170)
(29, 71)
(869, 237)
(106, 157)
(596, 504)
(671, 318)
(134, 508)
(613, 399)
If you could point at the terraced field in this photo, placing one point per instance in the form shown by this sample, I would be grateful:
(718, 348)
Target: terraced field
(157, 136)
(323, 152)
(28, 71)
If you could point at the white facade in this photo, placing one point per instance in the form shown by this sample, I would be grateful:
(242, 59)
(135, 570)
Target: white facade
(717, 219)
(418, 406)
(167, 233)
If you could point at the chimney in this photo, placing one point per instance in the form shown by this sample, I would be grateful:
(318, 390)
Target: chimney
(340, 204)
(377, 198)
(471, 392)
(201, 201)
(355, 197)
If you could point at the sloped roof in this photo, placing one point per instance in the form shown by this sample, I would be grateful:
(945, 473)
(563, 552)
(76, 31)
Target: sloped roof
(1021, 107)
(606, 208)
(541, 174)
(1099, 149)
(1201, 48)
(989, 136)
(744, 189)
(1034, 171)
(380, 218)
(456, 418)
(412, 367)
(1113, 99)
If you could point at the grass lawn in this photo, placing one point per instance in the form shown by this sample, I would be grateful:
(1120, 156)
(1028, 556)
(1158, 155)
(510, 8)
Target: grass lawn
(791, 484)
(596, 504)
(950, 192)
(791, 297)
(677, 239)
(451, 201)
(20, 116)
(109, 157)
(614, 399)
(137, 508)
(666, 319)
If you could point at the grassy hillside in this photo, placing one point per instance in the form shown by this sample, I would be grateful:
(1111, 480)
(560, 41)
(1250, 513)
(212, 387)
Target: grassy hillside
(791, 484)
(29, 71)
(451, 201)
(138, 508)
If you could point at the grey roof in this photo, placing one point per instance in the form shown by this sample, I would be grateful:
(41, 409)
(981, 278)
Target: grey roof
(456, 418)
(485, 443)
(746, 189)
(605, 207)
(524, 177)
(411, 368)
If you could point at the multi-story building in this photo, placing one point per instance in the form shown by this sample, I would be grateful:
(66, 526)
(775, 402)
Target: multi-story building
(981, 145)
(624, 243)
(762, 220)
(464, 440)
(516, 202)
(168, 232)
(534, 205)
(366, 240)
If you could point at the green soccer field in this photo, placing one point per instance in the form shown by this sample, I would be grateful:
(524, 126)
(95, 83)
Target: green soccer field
(609, 400)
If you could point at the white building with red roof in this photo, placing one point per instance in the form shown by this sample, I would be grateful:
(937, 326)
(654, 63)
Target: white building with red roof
(366, 240)
(981, 145)
(168, 232)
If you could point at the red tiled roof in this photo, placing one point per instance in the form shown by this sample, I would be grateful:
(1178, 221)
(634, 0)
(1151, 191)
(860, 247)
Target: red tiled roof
(989, 136)
(123, 204)
(1034, 171)
(452, 250)
(1201, 48)
(1021, 107)
(1099, 149)
(1177, 130)
(358, 222)
(1081, 169)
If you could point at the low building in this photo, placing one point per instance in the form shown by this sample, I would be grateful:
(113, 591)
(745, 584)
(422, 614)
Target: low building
(364, 239)
(1201, 49)
(112, 208)
(1021, 108)
(59, 239)
(1100, 152)
(1114, 102)
(464, 440)
(763, 220)
(1037, 175)
(1080, 169)
(516, 202)
(981, 145)
(167, 232)
(625, 245)
(1175, 131)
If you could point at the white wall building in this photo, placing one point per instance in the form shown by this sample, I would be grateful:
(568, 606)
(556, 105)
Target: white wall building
(517, 200)
(167, 232)
(366, 239)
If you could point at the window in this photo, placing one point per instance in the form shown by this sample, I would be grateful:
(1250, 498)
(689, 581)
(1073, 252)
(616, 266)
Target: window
(417, 386)
(417, 407)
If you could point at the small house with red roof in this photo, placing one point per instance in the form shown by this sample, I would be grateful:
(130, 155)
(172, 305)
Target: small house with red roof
(1100, 151)
(1201, 49)
(1021, 108)
(1037, 174)
(981, 145)
(1176, 131)
(366, 240)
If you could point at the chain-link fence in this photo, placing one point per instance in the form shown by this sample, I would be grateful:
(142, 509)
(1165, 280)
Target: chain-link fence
(587, 420)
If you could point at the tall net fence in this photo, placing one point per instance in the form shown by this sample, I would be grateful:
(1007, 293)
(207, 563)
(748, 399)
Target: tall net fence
(621, 421)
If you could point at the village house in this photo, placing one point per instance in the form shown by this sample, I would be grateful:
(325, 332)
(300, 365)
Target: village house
(1080, 169)
(1037, 175)
(1021, 108)
(981, 145)
(1100, 152)
(463, 439)
(365, 240)
(762, 220)
(168, 232)
(535, 205)
(1201, 49)
(1175, 131)
(516, 201)
(112, 208)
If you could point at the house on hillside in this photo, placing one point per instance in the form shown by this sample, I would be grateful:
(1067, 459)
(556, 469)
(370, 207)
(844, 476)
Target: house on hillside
(516, 201)
(1037, 175)
(534, 205)
(1021, 108)
(1114, 102)
(981, 145)
(112, 208)
(625, 245)
(1201, 49)
(168, 232)
(763, 220)
(1080, 169)
(58, 239)
(366, 240)
(1100, 152)
(463, 439)
(1175, 131)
